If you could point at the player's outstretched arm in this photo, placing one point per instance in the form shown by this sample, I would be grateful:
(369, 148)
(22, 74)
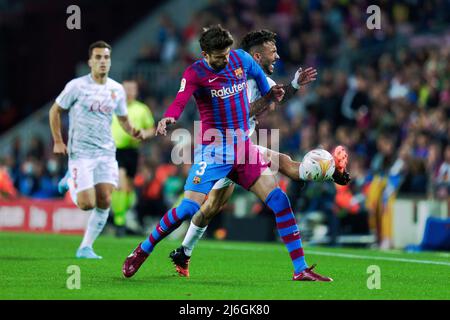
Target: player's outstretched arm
(260, 106)
(150, 132)
(135, 133)
(59, 146)
(188, 86)
(301, 78)
(268, 101)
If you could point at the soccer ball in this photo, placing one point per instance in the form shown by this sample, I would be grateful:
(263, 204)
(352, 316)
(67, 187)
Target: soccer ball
(317, 165)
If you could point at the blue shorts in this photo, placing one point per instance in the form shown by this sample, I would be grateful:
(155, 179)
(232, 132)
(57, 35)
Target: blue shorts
(203, 176)
(244, 169)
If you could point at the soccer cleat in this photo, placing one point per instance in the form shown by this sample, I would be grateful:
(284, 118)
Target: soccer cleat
(341, 178)
(134, 261)
(181, 261)
(309, 275)
(63, 186)
(87, 253)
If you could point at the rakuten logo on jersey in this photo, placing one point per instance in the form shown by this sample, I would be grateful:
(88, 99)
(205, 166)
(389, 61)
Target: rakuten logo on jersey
(228, 92)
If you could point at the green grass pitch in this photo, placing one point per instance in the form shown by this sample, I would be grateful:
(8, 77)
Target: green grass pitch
(34, 266)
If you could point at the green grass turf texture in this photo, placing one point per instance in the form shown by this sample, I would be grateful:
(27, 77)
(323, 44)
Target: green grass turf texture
(34, 266)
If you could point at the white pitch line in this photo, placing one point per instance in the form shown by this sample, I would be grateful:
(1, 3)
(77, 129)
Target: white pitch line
(354, 256)
(332, 254)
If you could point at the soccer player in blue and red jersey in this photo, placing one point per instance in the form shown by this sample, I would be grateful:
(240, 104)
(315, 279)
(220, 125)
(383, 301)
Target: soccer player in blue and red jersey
(218, 83)
(261, 45)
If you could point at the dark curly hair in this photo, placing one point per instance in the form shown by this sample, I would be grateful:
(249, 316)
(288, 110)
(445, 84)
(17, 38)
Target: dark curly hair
(257, 38)
(215, 38)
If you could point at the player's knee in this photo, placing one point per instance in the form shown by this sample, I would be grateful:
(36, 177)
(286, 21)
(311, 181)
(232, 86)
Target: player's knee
(277, 196)
(85, 204)
(287, 158)
(103, 201)
(122, 187)
(215, 210)
(187, 208)
(210, 209)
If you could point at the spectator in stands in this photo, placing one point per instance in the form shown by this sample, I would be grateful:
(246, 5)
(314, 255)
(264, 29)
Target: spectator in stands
(442, 184)
(28, 180)
(319, 198)
(48, 180)
(351, 199)
(7, 190)
(36, 148)
(150, 196)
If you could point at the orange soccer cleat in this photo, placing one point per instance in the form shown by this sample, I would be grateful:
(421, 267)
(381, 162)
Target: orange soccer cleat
(340, 158)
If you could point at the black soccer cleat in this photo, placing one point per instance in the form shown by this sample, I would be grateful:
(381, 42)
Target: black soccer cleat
(342, 178)
(181, 261)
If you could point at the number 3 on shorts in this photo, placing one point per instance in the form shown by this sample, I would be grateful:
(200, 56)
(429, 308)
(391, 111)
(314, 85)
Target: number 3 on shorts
(201, 171)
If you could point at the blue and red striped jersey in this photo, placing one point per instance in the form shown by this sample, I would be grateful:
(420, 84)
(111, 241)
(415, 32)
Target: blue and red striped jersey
(221, 96)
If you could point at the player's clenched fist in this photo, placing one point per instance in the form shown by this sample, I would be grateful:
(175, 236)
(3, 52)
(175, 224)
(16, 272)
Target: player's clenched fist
(162, 124)
(276, 93)
(60, 148)
(138, 134)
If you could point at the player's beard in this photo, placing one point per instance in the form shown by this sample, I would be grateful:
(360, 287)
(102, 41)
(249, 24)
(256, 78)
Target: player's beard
(267, 67)
(217, 66)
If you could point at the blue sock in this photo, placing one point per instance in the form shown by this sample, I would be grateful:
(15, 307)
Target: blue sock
(287, 227)
(169, 222)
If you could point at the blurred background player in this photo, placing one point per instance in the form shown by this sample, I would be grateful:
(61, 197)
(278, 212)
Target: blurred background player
(127, 153)
(261, 45)
(218, 83)
(93, 170)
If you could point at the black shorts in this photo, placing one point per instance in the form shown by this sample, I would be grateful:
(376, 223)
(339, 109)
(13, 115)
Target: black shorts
(128, 159)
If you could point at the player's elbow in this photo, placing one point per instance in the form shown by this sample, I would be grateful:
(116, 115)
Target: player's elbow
(55, 110)
(123, 121)
(51, 112)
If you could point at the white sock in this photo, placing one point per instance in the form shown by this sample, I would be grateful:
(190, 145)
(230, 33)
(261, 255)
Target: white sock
(193, 234)
(95, 225)
(302, 172)
(72, 192)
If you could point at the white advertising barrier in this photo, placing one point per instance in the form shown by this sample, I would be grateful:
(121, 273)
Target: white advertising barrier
(410, 216)
(50, 216)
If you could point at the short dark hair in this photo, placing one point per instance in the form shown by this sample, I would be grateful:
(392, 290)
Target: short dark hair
(257, 38)
(215, 38)
(98, 44)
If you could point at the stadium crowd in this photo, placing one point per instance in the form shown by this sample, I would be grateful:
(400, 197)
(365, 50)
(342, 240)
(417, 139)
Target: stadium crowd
(383, 94)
